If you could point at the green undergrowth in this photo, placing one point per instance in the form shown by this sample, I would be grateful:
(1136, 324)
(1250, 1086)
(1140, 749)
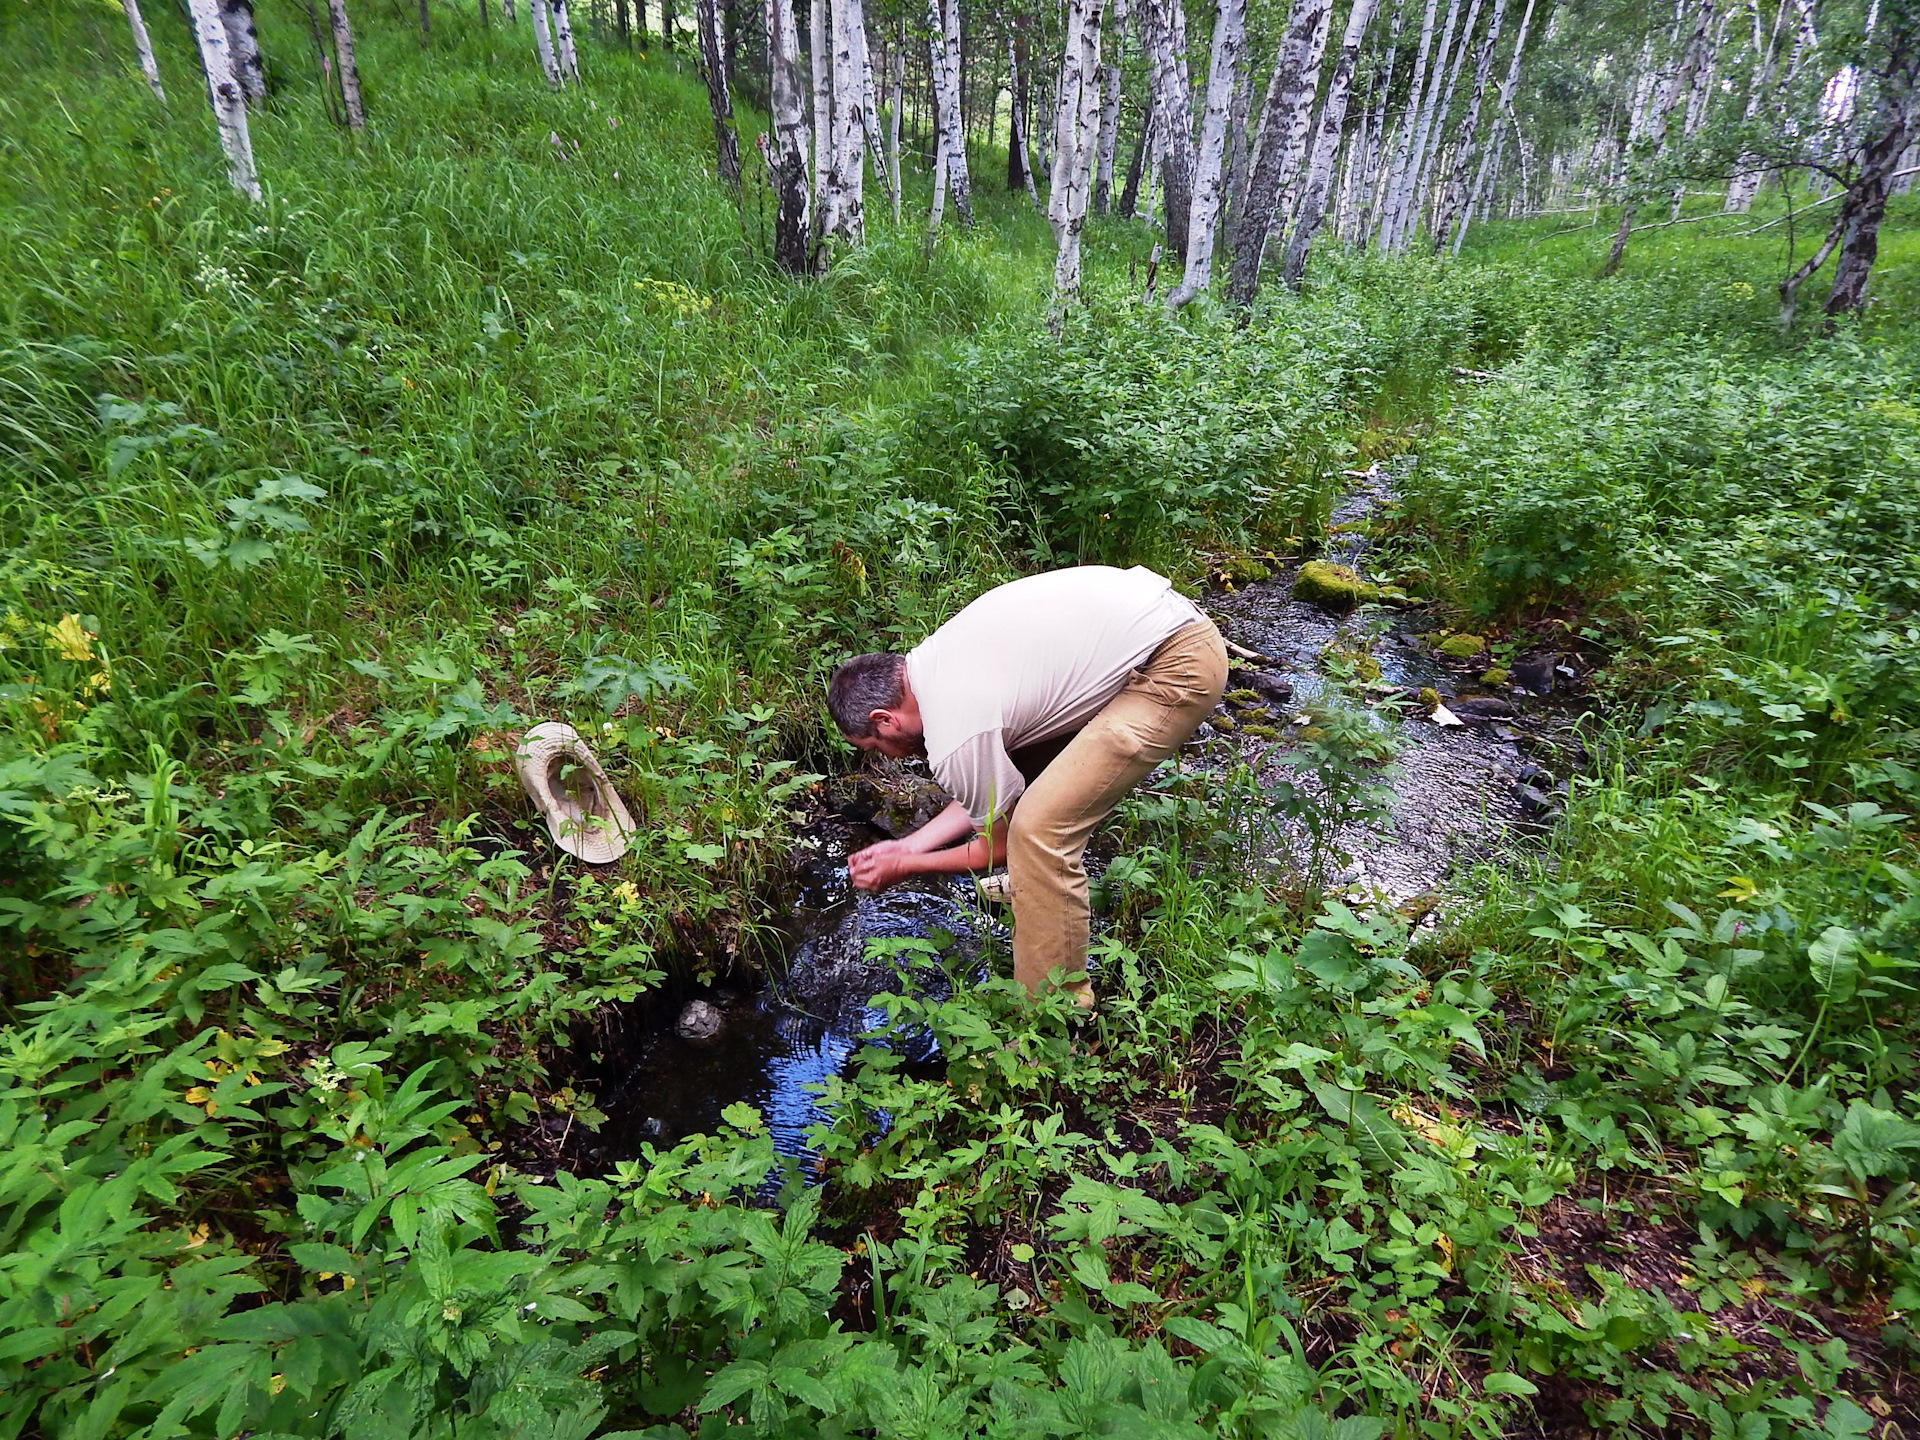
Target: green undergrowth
(499, 413)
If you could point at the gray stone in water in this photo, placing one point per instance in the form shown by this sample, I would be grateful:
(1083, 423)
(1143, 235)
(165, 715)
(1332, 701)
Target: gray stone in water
(1535, 672)
(1274, 687)
(1537, 803)
(1483, 707)
(699, 1021)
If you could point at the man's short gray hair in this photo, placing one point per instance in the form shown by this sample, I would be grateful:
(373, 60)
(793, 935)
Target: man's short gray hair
(862, 685)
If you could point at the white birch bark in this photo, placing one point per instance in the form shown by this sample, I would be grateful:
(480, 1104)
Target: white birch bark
(1326, 143)
(943, 47)
(1017, 137)
(1076, 138)
(563, 41)
(1453, 194)
(1403, 148)
(875, 131)
(143, 48)
(345, 63)
(1406, 210)
(786, 150)
(508, 14)
(820, 73)
(1286, 116)
(1489, 161)
(1111, 76)
(846, 180)
(893, 120)
(1209, 173)
(1358, 221)
(225, 96)
(1240, 142)
(1162, 27)
(243, 49)
(543, 42)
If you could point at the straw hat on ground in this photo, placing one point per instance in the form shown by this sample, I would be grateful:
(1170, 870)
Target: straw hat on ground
(584, 814)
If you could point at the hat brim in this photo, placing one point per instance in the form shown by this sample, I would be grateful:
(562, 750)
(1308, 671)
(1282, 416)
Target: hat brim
(598, 831)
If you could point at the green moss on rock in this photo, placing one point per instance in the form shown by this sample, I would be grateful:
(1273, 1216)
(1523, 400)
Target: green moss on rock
(1335, 586)
(1495, 675)
(1462, 647)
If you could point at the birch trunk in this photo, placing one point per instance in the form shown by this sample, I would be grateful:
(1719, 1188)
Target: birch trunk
(1163, 33)
(344, 62)
(1402, 157)
(1240, 142)
(786, 151)
(1373, 150)
(847, 179)
(820, 75)
(1482, 181)
(1286, 116)
(224, 94)
(1453, 195)
(1406, 210)
(1326, 144)
(1143, 147)
(943, 49)
(1703, 56)
(1865, 207)
(1653, 138)
(1110, 81)
(713, 70)
(1223, 67)
(1019, 152)
(1076, 138)
(143, 48)
(243, 49)
(875, 136)
(563, 40)
(543, 42)
(893, 120)
(507, 11)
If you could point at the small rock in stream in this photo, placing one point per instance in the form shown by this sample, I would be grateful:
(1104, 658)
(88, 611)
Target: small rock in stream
(1483, 707)
(1535, 672)
(699, 1021)
(1537, 803)
(1273, 686)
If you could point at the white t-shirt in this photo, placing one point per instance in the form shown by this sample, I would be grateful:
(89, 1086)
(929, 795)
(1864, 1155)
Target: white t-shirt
(1029, 661)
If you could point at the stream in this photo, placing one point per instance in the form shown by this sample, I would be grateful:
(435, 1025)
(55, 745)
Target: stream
(1458, 795)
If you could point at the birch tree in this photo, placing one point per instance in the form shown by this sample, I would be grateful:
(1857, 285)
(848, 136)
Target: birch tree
(1286, 116)
(1111, 75)
(713, 71)
(1482, 181)
(1453, 192)
(846, 192)
(1404, 210)
(820, 76)
(786, 151)
(563, 40)
(1654, 127)
(143, 49)
(1765, 88)
(243, 49)
(1374, 124)
(1403, 145)
(1326, 144)
(1209, 174)
(1076, 138)
(950, 148)
(224, 95)
(345, 65)
(543, 43)
(1162, 25)
(1019, 152)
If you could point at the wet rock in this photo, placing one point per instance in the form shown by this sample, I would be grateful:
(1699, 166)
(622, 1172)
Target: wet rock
(1202, 734)
(1333, 587)
(1539, 804)
(699, 1021)
(1535, 672)
(1535, 776)
(1276, 688)
(1483, 707)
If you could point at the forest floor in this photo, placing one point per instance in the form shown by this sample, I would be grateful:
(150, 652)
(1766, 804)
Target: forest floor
(309, 1077)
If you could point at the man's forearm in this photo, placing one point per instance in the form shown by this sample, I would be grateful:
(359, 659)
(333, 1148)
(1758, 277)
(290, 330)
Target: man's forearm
(941, 831)
(982, 852)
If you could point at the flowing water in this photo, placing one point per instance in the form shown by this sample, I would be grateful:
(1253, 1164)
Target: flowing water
(1457, 795)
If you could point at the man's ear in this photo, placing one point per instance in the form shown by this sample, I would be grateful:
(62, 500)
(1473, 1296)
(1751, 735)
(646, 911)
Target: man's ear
(874, 717)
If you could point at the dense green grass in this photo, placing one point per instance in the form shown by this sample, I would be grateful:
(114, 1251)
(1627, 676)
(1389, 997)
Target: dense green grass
(308, 507)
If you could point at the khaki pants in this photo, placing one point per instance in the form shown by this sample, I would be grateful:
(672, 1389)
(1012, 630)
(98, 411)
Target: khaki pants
(1163, 703)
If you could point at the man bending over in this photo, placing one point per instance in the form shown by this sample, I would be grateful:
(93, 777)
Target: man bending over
(1037, 707)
